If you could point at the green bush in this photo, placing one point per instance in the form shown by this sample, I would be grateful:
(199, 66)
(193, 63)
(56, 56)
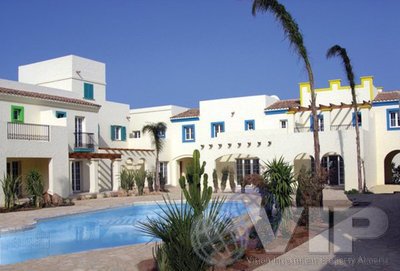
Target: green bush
(224, 179)
(127, 179)
(10, 187)
(140, 178)
(232, 183)
(215, 180)
(351, 192)
(150, 180)
(34, 187)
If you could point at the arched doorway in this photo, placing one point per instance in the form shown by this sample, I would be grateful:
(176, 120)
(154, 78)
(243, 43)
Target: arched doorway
(392, 167)
(303, 160)
(334, 166)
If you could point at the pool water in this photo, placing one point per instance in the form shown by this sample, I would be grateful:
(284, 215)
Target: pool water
(81, 232)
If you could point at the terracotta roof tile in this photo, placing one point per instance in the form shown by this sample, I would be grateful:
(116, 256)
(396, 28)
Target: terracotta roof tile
(284, 104)
(191, 113)
(43, 96)
(387, 96)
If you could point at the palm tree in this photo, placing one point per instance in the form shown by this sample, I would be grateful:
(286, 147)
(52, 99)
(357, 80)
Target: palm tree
(156, 130)
(293, 33)
(336, 50)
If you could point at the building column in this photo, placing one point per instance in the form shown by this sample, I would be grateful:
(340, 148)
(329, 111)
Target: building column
(3, 172)
(94, 176)
(50, 169)
(115, 171)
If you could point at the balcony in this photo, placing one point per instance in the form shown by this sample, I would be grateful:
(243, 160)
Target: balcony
(28, 131)
(84, 142)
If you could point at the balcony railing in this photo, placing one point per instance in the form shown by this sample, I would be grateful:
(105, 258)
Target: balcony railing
(302, 129)
(342, 127)
(84, 142)
(28, 131)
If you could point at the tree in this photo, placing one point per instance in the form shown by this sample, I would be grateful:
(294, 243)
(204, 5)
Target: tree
(293, 33)
(155, 131)
(338, 51)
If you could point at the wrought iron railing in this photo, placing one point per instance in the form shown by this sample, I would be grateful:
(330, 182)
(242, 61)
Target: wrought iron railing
(28, 131)
(84, 141)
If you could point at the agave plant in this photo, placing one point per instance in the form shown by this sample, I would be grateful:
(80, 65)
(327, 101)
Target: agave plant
(280, 185)
(140, 178)
(10, 187)
(34, 187)
(127, 178)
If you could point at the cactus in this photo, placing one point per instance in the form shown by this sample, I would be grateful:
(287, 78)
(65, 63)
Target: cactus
(232, 183)
(197, 198)
(215, 180)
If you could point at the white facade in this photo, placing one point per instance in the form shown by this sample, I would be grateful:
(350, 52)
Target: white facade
(57, 119)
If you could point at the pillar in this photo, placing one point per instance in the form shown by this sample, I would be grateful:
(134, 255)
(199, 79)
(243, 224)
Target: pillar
(93, 176)
(115, 171)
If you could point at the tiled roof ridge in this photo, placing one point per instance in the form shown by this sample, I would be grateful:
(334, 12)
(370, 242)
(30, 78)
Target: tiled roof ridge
(45, 96)
(190, 113)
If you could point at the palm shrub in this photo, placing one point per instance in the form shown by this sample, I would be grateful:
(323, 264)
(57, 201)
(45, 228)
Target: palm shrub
(140, 179)
(279, 184)
(34, 187)
(127, 178)
(10, 187)
(215, 180)
(163, 182)
(232, 183)
(224, 179)
(150, 178)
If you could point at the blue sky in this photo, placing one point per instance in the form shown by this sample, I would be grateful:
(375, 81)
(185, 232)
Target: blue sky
(179, 52)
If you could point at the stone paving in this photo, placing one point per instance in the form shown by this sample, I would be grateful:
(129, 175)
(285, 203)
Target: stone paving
(121, 258)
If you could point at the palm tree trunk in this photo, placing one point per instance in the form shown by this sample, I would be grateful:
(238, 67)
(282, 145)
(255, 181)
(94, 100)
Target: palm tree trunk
(359, 173)
(157, 182)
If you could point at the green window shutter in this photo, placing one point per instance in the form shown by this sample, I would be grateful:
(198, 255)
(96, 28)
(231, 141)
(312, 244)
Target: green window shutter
(112, 132)
(17, 114)
(123, 133)
(88, 91)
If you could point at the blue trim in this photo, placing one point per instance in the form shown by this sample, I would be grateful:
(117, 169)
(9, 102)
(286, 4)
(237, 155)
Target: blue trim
(184, 127)
(83, 149)
(247, 123)
(385, 103)
(276, 112)
(388, 111)
(213, 124)
(320, 119)
(187, 119)
(88, 91)
(353, 119)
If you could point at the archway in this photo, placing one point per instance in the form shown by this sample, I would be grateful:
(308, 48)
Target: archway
(303, 160)
(334, 166)
(392, 167)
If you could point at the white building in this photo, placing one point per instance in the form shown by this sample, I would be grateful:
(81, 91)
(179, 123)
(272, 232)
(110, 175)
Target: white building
(56, 119)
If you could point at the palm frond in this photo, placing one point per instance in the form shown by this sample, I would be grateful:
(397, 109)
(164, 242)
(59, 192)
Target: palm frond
(341, 52)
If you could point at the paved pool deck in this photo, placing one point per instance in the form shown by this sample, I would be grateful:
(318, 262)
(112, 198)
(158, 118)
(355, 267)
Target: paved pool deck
(120, 258)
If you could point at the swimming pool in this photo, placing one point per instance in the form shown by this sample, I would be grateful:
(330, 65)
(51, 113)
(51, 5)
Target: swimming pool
(87, 231)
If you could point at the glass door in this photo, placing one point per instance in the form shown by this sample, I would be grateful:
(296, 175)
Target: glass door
(78, 132)
(76, 176)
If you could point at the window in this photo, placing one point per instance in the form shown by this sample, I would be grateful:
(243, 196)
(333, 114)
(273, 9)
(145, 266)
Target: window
(136, 134)
(17, 113)
(88, 91)
(61, 114)
(393, 119)
(283, 124)
(216, 128)
(188, 134)
(163, 172)
(161, 133)
(249, 125)
(353, 121)
(118, 133)
(246, 167)
(320, 123)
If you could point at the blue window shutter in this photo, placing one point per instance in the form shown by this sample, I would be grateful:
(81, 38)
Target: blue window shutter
(194, 133)
(112, 132)
(123, 133)
(88, 91)
(353, 119)
(311, 122)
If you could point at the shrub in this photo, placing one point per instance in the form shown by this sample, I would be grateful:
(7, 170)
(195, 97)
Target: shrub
(225, 174)
(140, 178)
(279, 184)
(215, 180)
(232, 183)
(127, 179)
(10, 187)
(34, 187)
(351, 192)
(150, 178)
(163, 182)
(254, 179)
